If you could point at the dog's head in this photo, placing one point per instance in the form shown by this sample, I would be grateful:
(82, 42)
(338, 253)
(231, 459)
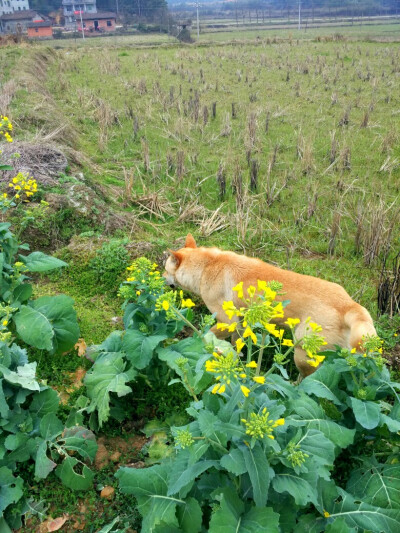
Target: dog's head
(173, 273)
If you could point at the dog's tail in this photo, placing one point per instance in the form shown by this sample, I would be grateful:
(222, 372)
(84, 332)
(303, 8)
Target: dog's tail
(360, 325)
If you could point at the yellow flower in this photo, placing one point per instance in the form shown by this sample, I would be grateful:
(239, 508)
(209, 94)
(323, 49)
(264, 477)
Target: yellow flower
(279, 422)
(239, 289)
(287, 342)
(292, 322)
(229, 309)
(17, 196)
(4, 195)
(259, 379)
(239, 345)
(248, 332)
(137, 293)
(245, 390)
(271, 328)
(130, 279)
(222, 326)
(251, 291)
(353, 350)
(252, 364)
(326, 514)
(218, 388)
(5, 322)
(187, 303)
(243, 375)
(165, 305)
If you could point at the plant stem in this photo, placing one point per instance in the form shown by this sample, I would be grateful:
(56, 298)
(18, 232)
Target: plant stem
(184, 319)
(260, 353)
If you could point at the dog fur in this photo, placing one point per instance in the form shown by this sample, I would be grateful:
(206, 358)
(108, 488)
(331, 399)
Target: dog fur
(211, 273)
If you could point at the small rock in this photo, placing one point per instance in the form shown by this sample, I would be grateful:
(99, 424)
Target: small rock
(107, 493)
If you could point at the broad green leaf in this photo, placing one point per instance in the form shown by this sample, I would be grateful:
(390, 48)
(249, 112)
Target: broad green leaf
(44, 402)
(322, 383)
(22, 292)
(208, 423)
(339, 526)
(183, 474)
(231, 518)
(72, 479)
(234, 462)
(40, 262)
(50, 426)
(283, 387)
(139, 348)
(362, 515)
(259, 472)
(296, 486)
(43, 465)
(4, 527)
(107, 375)
(392, 424)
(10, 488)
(4, 409)
(313, 416)
(190, 516)
(366, 413)
(319, 449)
(24, 376)
(81, 440)
(150, 486)
(48, 323)
(376, 484)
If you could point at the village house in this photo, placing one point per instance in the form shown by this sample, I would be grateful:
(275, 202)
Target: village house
(40, 29)
(11, 6)
(71, 7)
(100, 22)
(18, 21)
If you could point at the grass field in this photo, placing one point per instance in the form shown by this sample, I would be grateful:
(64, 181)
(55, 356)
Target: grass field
(278, 144)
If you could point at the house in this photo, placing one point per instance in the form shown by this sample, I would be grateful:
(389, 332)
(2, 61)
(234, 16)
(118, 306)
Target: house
(18, 21)
(11, 6)
(72, 6)
(101, 22)
(40, 29)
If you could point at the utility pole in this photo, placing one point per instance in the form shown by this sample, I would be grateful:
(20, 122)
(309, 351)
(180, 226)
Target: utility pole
(299, 15)
(198, 29)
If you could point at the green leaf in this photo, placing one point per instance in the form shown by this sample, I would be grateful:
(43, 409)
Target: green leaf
(190, 516)
(4, 409)
(183, 473)
(4, 527)
(231, 518)
(322, 383)
(107, 375)
(44, 402)
(376, 484)
(50, 426)
(296, 486)
(43, 465)
(40, 262)
(22, 292)
(339, 526)
(392, 424)
(259, 472)
(139, 348)
(362, 515)
(234, 462)
(313, 416)
(72, 479)
(80, 439)
(320, 451)
(10, 488)
(48, 323)
(24, 376)
(366, 413)
(150, 486)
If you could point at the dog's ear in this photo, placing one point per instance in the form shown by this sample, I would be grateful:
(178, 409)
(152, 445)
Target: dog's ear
(177, 257)
(190, 242)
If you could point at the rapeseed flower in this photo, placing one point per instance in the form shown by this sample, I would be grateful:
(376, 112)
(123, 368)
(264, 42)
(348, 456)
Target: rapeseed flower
(259, 425)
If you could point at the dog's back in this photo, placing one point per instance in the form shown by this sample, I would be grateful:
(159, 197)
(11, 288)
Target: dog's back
(212, 273)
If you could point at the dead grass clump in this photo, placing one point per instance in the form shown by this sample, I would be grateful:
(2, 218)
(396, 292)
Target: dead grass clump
(154, 204)
(43, 161)
(389, 287)
(208, 221)
(8, 91)
(378, 226)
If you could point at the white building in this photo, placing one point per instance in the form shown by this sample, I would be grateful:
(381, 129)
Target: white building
(72, 6)
(12, 6)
